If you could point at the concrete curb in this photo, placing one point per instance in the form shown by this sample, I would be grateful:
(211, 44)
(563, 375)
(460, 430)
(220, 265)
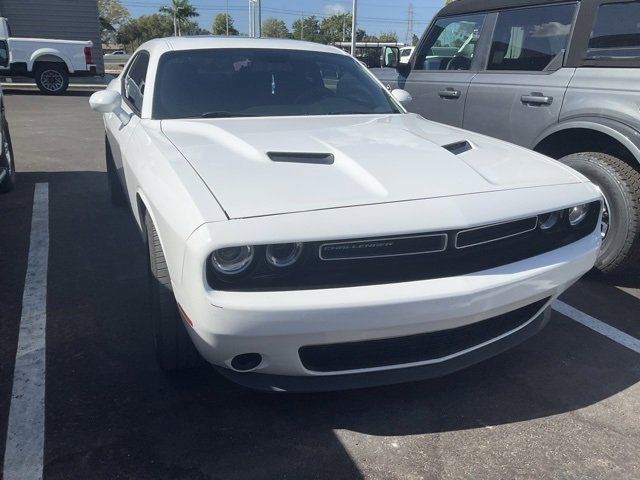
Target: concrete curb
(73, 87)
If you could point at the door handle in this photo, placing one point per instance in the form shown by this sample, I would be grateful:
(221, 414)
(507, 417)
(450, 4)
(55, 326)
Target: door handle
(536, 99)
(449, 93)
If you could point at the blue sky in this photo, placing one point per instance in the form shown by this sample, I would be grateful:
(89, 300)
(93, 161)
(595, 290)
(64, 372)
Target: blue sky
(374, 16)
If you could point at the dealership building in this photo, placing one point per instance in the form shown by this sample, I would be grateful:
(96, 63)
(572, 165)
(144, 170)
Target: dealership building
(60, 19)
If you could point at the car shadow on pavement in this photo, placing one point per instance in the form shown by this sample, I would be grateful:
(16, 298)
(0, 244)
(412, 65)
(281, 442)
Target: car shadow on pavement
(111, 413)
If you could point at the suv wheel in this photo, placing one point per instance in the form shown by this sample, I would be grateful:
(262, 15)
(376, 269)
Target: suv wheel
(7, 162)
(52, 78)
(174, 349)
(620, 185)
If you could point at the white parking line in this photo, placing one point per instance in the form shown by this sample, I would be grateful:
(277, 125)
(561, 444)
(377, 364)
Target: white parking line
(602, 328)
(25, 434)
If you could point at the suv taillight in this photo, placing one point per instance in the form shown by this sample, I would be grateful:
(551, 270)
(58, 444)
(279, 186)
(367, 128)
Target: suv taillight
(87, 55)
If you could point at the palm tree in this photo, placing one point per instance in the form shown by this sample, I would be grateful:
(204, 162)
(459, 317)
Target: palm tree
(180, 10)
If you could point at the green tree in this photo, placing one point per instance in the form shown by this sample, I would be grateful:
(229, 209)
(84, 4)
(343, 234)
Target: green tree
(274, 28)
(112, 16)
(336, 28)
(388, 37)
(415, 40)
(308, 28)
(147, 27)
(223, 25)
(180, 11)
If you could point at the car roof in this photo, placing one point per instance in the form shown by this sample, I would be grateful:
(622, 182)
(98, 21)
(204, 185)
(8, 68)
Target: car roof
(201, 42)
(472, 6)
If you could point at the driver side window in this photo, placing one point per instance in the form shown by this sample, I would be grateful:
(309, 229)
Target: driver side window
(451, 44)
(134, 81)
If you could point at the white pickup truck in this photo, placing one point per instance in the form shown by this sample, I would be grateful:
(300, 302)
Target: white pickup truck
(50, 62)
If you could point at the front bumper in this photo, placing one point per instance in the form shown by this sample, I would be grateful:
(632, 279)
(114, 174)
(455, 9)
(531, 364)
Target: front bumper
(277, 324)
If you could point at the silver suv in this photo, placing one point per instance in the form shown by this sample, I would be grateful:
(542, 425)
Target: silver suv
(558, 77)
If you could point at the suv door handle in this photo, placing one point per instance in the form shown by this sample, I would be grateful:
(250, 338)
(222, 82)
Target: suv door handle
(449, 93)
(536, 99)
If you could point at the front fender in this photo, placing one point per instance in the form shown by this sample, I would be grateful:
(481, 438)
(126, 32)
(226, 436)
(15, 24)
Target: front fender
(49, 51)
(625, 134)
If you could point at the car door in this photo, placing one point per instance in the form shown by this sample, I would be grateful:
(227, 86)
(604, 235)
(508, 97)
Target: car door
(132, 88)
(443, 68)
(520, 92)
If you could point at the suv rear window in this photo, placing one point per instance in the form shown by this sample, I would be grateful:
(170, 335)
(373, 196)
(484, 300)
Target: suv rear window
(530, 38)
(616, 32)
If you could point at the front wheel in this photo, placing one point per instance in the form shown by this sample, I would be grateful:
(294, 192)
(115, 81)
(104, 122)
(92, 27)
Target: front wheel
(52, 78)
(7, 162)
(620, 186)
(174, 349)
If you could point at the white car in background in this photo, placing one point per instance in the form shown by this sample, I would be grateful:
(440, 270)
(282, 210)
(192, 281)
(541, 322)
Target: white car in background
(312, 235)
(405, 54)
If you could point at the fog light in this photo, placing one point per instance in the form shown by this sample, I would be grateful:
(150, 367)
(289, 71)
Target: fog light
(284, 254)
(549, 220)
(246, 361)
(232, 260)
(577, 214)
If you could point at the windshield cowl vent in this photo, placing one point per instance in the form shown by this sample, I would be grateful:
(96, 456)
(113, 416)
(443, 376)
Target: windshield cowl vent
(458, 147)
(302, 157)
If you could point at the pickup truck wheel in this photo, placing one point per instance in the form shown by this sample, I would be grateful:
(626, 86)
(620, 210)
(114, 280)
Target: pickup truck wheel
(116, 192)
(52, 78)
(7, 162)
(620, 185)
(174, 349)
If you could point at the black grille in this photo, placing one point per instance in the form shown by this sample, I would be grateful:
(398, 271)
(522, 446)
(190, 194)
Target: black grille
(493, 233)
(482, 249)
(415, 348)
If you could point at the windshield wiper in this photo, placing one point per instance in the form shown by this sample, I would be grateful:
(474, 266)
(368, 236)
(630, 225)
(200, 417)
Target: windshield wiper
(225, 114)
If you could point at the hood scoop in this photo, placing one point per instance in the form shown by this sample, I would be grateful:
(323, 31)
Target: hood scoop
(302, 157)
(458, 147)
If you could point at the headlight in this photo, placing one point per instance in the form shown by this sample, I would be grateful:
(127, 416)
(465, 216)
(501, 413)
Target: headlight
(549, 220)
(284, 254)
(577, 214)
(232, 260)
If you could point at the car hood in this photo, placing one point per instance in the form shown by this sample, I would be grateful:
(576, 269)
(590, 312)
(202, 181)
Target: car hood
(376, 159)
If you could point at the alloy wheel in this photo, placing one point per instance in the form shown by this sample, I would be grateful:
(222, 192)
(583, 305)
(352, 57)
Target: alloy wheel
(52, 80)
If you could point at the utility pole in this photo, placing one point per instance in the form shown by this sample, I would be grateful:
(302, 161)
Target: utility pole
(409, 38)
(259, 18)
(354, 12)
(302, 25)
(344, 26)
(227, 18)
(255, 16)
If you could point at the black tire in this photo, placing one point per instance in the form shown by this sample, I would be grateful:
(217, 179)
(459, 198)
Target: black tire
(52, 78)
(7, 161)
(620, 184)
(116, 192)
(174, 349)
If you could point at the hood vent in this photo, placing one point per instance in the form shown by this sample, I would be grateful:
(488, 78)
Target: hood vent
(302, 157)
(458, 147)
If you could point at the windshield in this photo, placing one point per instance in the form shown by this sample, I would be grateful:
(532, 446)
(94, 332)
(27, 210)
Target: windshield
(264, 82)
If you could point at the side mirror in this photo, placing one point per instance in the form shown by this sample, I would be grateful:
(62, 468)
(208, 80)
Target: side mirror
(402, 96)
(109, 101)
(390, 57)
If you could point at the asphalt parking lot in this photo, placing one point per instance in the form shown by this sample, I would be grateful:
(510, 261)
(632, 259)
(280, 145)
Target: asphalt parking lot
(565, 404)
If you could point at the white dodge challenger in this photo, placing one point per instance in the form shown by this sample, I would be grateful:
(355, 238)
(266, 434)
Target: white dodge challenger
(306, 233)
